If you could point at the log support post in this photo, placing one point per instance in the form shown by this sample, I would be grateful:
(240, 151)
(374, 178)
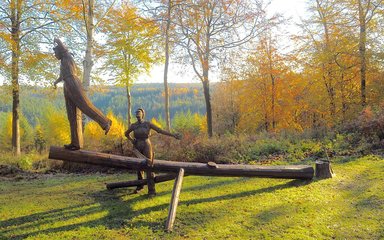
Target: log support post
(323, 170)
(174, 200)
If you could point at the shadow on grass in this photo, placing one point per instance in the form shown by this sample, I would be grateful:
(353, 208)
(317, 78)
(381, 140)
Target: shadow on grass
(118, 211)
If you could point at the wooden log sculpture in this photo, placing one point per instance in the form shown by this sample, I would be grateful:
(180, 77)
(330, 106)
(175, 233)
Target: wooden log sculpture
(177, 169)
(190, 168)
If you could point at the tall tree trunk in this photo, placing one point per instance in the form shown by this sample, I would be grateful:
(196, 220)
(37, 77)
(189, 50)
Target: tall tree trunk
(207, 95)
(15, 19)
(273, 102)
(265, 106)
(129, 104)
(166, 90)
(343, 99)
(88, 63)
(207, 103)
(362, 53)
(327, 64)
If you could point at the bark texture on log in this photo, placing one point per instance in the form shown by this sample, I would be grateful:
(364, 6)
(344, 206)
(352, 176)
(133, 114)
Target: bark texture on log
(323, 170)
(190, 168)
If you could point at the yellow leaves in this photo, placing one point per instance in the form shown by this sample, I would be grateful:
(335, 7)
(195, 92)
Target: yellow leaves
(201, 121)
(6, 131)
(56, 127)
(117, 129)
(130, 43)
(94, 136)
(32, 59)
(157, 123)
(5, 36)
(179, 91)
(93, 132)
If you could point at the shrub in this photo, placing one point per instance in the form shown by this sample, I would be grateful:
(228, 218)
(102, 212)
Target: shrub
(268, 147)
(365, 132)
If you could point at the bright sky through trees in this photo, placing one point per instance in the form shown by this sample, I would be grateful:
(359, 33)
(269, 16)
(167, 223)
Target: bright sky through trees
(290, 9)
(293, 9)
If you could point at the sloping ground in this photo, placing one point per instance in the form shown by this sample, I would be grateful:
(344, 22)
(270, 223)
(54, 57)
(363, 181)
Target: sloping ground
(349, 206)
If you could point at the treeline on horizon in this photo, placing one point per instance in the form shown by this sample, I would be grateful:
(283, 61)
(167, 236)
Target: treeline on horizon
(184, 98)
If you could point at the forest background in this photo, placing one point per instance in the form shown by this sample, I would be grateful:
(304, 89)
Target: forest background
(321, 84)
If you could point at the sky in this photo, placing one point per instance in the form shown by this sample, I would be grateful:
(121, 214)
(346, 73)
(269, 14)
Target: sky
(293, 9)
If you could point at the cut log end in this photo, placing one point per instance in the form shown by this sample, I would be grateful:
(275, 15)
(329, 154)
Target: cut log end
(324, 170)
(212, 164)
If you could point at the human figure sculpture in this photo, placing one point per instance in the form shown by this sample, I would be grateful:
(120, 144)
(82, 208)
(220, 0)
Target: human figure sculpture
(76, 100)
(141, 132)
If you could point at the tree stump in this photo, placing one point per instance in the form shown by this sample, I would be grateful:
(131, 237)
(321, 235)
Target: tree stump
(324, 170)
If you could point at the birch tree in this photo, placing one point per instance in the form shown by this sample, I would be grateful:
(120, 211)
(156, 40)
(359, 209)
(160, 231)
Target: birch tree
(24, 27)
(129, 47)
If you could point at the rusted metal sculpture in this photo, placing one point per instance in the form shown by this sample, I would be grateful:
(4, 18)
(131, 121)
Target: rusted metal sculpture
(76, 100)
(141, 143)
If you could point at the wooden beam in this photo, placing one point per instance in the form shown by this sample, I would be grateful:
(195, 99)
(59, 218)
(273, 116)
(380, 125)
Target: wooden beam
(190, 168)
(134, 183)
(174, 201)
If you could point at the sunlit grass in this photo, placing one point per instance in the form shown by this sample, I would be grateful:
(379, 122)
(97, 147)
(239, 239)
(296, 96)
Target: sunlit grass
(348, 206)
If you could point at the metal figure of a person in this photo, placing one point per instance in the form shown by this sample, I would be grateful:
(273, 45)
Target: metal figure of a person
(76, 100)
(141, 132)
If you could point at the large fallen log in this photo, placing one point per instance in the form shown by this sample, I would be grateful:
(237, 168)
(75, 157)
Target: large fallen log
(190, 168)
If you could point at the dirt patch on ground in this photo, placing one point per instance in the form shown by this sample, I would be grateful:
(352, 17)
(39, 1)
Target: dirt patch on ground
(14, 173)
(9, 172)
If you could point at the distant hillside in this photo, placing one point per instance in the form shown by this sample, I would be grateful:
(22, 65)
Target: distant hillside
(184, 97)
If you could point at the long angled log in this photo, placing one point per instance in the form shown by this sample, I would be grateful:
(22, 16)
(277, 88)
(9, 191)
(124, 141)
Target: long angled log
(134, 183)
(191, 168)
(174, 200)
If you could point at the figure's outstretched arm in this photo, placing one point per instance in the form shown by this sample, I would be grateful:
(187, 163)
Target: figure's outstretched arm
(159, 130)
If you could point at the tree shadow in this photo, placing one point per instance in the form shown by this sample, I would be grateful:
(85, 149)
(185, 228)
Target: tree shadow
(119, 211)
(292, 183)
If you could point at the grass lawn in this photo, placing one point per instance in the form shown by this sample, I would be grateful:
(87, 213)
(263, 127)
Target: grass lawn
(348, 206)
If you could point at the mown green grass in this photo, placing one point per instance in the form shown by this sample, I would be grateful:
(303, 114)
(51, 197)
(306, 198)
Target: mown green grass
(348, 206)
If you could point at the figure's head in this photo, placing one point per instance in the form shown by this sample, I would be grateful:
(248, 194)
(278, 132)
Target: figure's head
(140, 114)
(59, 49)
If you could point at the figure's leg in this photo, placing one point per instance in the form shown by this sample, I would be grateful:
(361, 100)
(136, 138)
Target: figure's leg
(150, 174)
(140, 176)
(78, 96)
(74, 118)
